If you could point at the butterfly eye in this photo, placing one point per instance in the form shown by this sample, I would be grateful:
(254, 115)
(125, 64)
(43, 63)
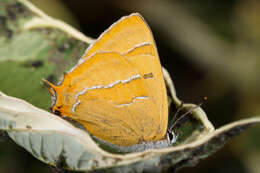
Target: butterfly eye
(171, 137)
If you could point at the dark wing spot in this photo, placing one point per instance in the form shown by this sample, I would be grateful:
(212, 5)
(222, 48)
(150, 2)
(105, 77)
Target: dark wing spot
(59, 107)
(56, 112)
(148, 75)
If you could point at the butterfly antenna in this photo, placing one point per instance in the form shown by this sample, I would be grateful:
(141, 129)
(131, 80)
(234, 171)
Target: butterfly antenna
(176, 113)
(182, 116)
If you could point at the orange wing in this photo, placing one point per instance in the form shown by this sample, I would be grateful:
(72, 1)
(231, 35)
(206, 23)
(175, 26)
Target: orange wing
(117, 89)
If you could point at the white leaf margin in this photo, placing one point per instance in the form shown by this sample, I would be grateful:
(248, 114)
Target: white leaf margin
(48, 137)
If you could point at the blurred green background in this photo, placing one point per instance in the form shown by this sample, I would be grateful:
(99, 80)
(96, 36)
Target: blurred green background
(210, 48)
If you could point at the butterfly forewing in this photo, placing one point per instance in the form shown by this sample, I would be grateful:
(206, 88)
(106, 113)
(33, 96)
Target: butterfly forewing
(117, 90)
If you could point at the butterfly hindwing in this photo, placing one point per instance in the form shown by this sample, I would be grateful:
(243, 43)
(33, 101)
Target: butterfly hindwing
(117, 90)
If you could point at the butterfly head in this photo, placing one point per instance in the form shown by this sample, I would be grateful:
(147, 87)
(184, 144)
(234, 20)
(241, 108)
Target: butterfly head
(171, 137)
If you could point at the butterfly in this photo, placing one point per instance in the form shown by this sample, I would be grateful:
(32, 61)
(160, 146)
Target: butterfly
(117, 90)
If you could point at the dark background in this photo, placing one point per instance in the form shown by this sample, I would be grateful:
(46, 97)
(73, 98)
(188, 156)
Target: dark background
(210, 48)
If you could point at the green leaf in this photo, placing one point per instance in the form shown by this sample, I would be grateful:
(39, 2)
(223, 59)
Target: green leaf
(28, 55)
